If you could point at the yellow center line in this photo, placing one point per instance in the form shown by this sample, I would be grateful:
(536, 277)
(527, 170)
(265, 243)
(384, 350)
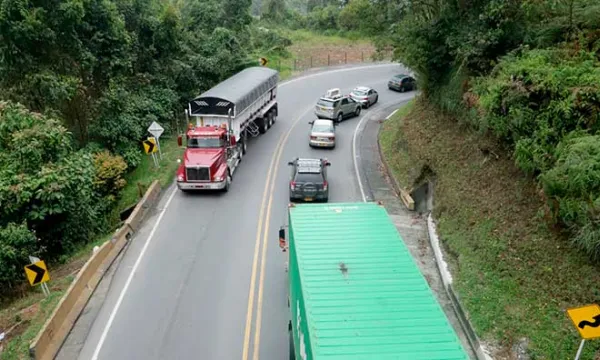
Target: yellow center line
(255, 260)
(264, 242)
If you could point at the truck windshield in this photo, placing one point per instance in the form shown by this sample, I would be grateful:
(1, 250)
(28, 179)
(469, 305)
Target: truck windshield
(205, 142)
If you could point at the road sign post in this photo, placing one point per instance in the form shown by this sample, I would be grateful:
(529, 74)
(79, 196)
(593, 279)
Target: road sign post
(37, 273)
(587, 322)
(151, 148)
(156, 130)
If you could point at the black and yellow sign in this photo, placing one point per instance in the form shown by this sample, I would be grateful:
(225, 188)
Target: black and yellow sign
(586, 320)
(150, 145)
(263, 61)
(37, 273)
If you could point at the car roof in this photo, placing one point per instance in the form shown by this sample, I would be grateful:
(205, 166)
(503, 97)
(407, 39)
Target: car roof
(362, 88)
(323, 122)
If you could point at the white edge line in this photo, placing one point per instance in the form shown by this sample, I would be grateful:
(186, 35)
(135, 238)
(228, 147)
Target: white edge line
(390, 115)
(148, 240)
(355, 159)
(130, 278)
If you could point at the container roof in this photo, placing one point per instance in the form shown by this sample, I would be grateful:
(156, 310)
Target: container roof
(363, 292)
(243, 88)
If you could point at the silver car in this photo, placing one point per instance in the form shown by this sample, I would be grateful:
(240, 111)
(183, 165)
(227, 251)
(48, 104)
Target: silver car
(322, 133)
(366, 96)
(337, 108)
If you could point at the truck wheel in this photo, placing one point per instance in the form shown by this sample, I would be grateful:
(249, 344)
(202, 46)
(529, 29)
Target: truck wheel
(244, 146)
(262, 123)
(227, 182)
(271, 118)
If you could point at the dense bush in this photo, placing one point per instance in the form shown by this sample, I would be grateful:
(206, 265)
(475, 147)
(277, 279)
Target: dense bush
(573, 189)
(110, 169)
(17, 243)
(536, 98)
(44, 180)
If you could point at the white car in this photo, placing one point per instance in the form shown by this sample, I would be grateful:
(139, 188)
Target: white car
(366, 96)
(322, 133)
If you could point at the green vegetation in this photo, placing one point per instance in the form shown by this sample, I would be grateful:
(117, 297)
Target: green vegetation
(514, 275)
(516, 81)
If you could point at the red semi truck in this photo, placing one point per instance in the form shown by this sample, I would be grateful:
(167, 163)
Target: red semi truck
(220, 122)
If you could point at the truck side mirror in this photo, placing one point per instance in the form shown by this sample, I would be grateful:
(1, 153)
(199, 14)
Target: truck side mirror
(282, 238)
(290, 163)
(328, 164)
(311, 122)
(179, 140)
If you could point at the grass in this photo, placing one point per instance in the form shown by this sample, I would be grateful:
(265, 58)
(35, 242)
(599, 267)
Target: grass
(28, 313)
(146, 172)
(515, 276)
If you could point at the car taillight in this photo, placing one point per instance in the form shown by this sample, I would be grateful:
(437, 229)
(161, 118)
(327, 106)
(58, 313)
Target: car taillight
(331, 137)
(365, 98)
(292, 185)
(325, 185)
(313, 138)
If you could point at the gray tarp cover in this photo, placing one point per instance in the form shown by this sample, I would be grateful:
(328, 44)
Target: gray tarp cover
(243, 88)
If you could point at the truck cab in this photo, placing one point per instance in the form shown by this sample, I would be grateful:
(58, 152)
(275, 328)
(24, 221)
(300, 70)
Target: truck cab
(207, 158)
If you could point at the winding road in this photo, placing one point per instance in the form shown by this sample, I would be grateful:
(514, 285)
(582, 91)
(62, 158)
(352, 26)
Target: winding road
(204, 278)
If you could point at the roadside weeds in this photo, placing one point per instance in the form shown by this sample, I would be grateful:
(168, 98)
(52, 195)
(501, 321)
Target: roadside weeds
(514, 276)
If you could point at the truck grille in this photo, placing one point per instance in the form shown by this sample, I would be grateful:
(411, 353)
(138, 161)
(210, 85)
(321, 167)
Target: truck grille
(197, 174)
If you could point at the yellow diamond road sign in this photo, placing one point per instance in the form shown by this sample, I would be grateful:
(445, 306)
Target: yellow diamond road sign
(150, 145)
(262, 61)
(37, 273)
(586, 320)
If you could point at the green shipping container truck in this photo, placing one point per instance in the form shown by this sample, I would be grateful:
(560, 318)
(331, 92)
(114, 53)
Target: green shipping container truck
(355, 291)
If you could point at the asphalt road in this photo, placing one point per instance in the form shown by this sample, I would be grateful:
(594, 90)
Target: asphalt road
(183, 288)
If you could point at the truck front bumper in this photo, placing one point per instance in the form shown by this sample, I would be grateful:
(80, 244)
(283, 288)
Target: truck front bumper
(201, 185)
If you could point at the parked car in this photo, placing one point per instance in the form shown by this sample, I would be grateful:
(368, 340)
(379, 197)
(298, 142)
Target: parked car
(322, 133)
(336, 107)
(309, 179)
(366, 96)
(402, 83)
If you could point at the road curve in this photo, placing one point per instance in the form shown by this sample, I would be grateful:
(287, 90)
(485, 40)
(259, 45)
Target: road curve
(181, 291)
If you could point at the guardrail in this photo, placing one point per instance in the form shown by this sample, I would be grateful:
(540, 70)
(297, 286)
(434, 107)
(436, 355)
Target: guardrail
(50, 338)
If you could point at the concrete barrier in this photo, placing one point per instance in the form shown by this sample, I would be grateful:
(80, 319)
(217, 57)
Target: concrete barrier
(50, 338)
(137, 215)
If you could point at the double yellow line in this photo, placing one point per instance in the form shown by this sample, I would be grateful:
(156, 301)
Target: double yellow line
(262, 219)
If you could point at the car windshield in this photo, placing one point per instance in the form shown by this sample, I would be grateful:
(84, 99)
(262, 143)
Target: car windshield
(360, 92)
(324, 128)
(309, 177)
(205, 142)
(325, 103)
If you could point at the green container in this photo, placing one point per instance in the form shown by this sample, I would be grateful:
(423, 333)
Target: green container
(356, 292)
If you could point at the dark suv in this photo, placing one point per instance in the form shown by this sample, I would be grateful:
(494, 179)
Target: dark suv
(402, 83)
(309, 179)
